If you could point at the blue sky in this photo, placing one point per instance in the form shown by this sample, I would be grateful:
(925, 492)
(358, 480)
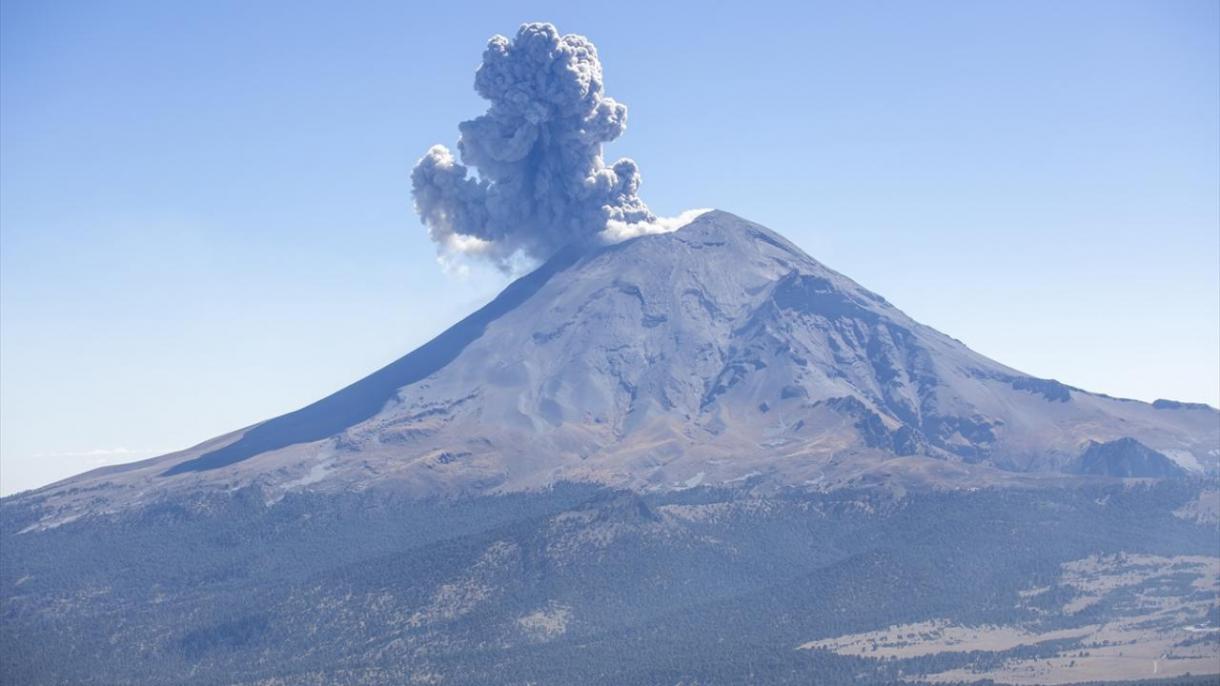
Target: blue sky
(205, 216)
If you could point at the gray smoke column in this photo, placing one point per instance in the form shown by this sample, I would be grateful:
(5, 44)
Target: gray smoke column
(541, 182)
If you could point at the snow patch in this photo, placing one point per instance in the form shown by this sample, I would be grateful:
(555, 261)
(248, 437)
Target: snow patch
(744, 477)
(619, 231)
(691, 482)
(1184, 459)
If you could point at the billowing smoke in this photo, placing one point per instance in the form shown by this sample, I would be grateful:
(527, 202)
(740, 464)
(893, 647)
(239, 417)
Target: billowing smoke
(541, 182)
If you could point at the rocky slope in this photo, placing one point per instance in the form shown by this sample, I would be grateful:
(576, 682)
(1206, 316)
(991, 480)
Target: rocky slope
(719, 354)
(688, 458)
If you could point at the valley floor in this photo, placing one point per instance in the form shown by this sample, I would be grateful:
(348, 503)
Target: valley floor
(583, 585)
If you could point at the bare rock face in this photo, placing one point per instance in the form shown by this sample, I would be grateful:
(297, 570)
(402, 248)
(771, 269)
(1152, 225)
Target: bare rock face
(718, 354)
(1126, 458)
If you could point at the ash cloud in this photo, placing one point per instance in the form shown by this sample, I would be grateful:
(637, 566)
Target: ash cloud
(531, 178)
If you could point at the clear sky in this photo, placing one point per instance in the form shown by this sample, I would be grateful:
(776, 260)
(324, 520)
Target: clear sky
(205, 217)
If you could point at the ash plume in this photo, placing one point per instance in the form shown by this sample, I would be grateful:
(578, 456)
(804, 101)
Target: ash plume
(531, 178)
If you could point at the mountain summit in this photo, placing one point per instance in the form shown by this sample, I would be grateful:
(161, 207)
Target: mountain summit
(717, 354)
(690, 457)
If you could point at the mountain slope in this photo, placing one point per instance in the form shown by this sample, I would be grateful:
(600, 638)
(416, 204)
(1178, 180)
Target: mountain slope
(716, 354)
(690, 458)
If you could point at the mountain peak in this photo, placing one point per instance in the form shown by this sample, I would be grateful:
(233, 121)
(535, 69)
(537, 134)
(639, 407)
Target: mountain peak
(717, 354)
(725, 233)
(715, 225)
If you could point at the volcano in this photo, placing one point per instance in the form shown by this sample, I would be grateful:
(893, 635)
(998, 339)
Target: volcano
(718, 354)
(691, 457)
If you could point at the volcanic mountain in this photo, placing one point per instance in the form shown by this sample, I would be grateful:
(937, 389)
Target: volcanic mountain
(717, 354)
(692, 457)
